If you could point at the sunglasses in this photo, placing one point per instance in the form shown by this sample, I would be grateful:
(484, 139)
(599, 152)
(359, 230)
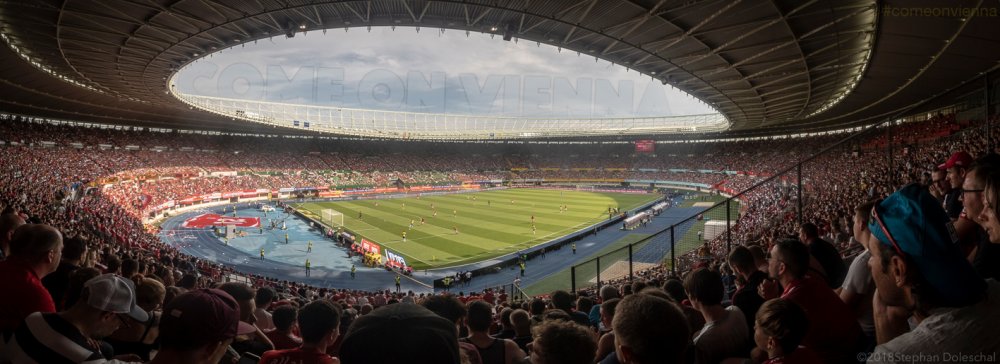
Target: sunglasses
(878, 220)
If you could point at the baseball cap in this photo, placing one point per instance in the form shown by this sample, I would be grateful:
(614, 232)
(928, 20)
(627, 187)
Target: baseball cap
(959, 159)
(912, 222)
(201, 317)
(111, 293)
(417, 335)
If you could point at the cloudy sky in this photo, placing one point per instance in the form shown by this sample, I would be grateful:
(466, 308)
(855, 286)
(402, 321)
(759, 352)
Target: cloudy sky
(434, 72)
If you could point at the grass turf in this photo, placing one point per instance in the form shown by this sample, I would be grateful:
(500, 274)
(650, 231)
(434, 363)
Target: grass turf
(489, 224)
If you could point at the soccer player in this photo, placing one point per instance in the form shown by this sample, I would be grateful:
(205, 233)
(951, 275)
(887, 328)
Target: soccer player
(455, 227)
(308, 265)
(454, 213)
(261, 253)
(404, 236)
(532, 229)
(353, 270)
(411, 223)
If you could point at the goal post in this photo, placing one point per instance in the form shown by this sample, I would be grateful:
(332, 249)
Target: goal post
(332, 217)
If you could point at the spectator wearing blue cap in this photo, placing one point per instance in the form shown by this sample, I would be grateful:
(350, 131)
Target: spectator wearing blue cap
(919, 270)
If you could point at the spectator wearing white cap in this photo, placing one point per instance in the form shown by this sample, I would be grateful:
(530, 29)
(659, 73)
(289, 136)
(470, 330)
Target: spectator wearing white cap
(107, 303)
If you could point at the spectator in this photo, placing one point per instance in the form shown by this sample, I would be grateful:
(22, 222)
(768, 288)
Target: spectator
(780, 327)
(725, 332)
(9, 222)
(450, 308)
(583, 306)
(491, 350)
(35, 251)
(263, 299)
(283, 336)
(198, 326)
(319, 323)
(107, 303)
(747, 298)
(76, 282)
(257, 343)
(858, 288)
(825, 259)
(537, 308)
(562, 300)
(918, 268)
(506, 327)
(560, 342)
(985, 256)
(56, 283)
(759, 257)
(833, 331)
(141, 338)
(417, 335)
(650, 329)
(607, 292)
(606, 343)
(522, 328)
(955, 168)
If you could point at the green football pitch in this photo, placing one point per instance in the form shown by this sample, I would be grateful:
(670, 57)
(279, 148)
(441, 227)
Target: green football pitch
(469, 227)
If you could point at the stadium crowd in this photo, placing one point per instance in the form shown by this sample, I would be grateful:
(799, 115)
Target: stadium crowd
(91, 284)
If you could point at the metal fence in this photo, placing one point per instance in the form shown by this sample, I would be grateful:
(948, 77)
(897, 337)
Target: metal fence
(755, 205)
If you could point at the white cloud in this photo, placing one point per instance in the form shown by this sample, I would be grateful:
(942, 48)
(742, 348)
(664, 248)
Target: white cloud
(432, 71)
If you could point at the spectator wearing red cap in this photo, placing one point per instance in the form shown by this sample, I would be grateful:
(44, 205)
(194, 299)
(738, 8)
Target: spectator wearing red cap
(956, 167)
(107, 303)
(198, 326)
(35, 251)
(319, 323)
(918, 269)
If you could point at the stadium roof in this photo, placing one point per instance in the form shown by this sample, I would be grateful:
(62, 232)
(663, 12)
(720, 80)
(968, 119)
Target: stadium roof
(768, 66)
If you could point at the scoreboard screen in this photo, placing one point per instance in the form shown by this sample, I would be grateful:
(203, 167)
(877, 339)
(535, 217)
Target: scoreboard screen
(645, 146)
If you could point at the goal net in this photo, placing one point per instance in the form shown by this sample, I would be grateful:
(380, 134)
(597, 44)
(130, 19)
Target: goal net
(332, 217)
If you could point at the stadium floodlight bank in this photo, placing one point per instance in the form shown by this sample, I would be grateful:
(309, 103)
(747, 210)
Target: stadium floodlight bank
(410, 125)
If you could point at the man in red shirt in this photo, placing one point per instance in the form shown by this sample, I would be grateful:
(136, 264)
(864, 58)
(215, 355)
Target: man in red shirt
(35, 251)
(282, 336)
(319, 324)
(833, 330)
